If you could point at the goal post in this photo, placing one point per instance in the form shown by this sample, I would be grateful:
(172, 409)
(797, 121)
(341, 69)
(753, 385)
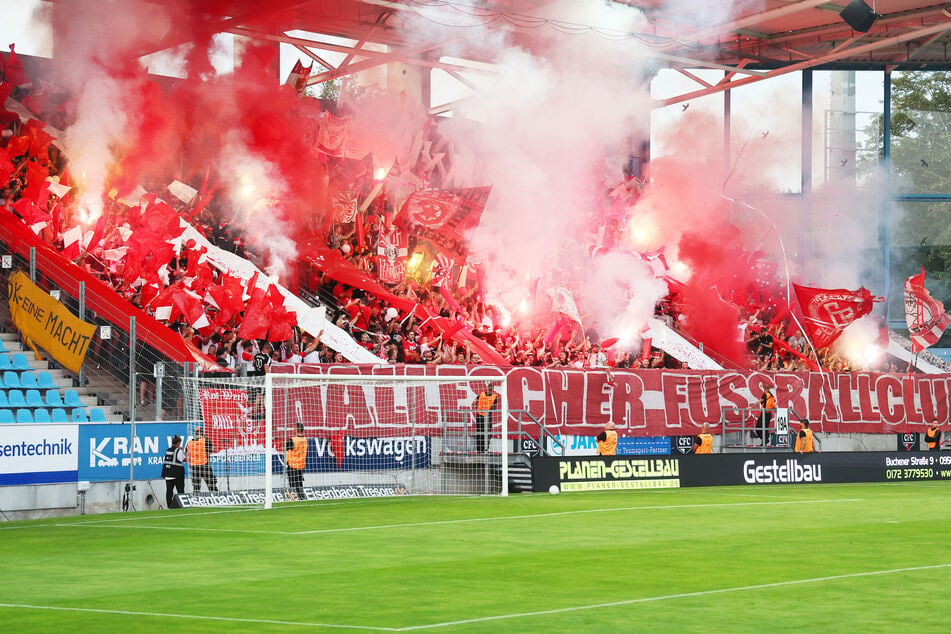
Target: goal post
(291, 436)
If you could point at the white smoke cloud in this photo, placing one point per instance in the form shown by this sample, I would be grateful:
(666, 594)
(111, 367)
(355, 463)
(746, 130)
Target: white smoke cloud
(255, 190)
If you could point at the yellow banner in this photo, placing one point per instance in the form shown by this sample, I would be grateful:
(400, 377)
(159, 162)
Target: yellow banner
(45, 322)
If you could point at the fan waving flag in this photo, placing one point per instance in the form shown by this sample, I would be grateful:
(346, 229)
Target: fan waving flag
(828, 312)
(924, 314)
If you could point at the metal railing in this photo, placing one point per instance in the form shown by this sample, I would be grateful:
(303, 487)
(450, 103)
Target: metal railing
(753, 429)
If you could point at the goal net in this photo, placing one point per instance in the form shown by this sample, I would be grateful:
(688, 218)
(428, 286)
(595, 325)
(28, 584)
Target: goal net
(286, 437)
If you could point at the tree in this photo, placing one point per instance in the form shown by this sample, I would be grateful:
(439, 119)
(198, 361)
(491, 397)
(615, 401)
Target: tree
(921, 164)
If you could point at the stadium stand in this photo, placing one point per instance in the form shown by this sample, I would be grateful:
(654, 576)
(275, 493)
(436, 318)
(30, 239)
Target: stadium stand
(6, 416)
(28, 381)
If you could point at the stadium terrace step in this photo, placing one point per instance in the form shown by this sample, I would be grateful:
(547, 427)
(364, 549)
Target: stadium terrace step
(520, 477)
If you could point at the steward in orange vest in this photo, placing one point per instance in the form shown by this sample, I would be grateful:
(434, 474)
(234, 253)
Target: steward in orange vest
(703, 443)
(197, 452)
(485, 402)
(933, 437)
(607, 441)
(296, 448)
(804, 439)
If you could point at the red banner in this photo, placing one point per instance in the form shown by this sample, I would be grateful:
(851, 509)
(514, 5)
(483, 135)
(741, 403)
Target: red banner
(444, 218)
(828, 312)
(225, 413)
(639, 403)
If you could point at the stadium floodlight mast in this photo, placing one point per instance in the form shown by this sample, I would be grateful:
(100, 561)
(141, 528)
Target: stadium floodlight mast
(367, 436)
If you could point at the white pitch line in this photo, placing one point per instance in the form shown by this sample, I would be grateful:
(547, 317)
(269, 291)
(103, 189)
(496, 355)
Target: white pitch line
(227, 619)
(667, 597)
(484, 619)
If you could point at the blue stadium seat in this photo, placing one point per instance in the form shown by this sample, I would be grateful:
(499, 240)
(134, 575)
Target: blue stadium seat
(41, 416)
(71, 399)
(3, 399)
(18, 359)
(6, 416)
(24, 416)
(58, 415)
(79, 415)
(5, 362)
(15, 399)
(96, 415)
(44, 381)
(2, 347)
(53, 399)
(28, 381)
(34, 399)
(11, 379)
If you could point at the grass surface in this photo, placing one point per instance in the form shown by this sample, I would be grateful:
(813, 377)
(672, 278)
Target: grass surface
(830, 557)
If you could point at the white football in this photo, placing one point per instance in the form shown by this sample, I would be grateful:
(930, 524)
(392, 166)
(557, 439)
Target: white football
(554, 490)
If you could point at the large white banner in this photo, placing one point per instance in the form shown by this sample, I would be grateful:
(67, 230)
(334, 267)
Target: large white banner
(38, 454)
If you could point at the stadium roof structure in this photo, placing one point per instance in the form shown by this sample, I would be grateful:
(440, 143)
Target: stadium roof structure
(772, 38)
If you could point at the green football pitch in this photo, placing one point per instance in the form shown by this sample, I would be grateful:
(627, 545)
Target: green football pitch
(831, 557)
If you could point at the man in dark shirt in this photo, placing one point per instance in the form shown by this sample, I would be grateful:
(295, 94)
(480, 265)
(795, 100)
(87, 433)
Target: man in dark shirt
(262, 360)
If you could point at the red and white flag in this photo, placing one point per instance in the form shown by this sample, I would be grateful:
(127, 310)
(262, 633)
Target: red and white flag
(391, 253)
(827, 312)
(298, 77)
(562, 301)
(924, 314)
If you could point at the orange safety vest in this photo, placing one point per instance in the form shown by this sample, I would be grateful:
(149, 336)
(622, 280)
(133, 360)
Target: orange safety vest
(932, 438)
(608, 446)
(706, 444)
(804, 445)
(297, 456)
(485, 401)
(197, 454)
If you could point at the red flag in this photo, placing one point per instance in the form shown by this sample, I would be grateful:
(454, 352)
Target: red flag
(32, 215)
(924, 314)
(6, 168)
(13, 70)
(18, 145)
(39, 140)
(828, 312)
(444, 218)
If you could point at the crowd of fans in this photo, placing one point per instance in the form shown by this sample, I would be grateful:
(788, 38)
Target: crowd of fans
(392, 335)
